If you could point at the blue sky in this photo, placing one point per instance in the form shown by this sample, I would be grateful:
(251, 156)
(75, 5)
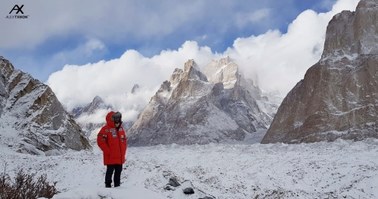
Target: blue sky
(89, 48)
(60, 32)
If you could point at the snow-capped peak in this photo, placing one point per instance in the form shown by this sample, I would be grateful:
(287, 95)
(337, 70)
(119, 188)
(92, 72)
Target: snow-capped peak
(223, 71)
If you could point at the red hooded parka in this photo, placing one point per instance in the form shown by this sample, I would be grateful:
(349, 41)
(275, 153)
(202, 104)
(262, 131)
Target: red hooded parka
(112, 142)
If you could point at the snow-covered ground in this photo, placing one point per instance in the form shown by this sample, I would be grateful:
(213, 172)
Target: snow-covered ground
(342, 169)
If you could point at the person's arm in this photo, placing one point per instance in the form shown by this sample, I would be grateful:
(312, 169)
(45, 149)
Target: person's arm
(102, 141)
(125, 143)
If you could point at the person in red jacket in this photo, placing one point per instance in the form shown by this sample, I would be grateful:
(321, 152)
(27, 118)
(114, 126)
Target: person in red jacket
(113, 143)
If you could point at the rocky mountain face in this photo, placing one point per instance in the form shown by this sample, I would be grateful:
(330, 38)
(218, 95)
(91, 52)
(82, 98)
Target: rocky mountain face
(135, 88)
(195, 107)
(31, 109)
(338, 97)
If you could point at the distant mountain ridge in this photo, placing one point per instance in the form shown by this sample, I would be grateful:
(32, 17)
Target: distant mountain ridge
(198, 108)
(84, 115)
(338, 97)
(96, 104)
(34, 112)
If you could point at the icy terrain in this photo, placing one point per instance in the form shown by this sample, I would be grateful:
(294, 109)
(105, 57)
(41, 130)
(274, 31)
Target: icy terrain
(342, 169)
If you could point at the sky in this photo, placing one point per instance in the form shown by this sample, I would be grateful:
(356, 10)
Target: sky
(103, 48)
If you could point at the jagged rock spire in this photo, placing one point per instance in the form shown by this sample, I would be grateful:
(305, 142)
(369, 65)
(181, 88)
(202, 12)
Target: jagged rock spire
(351, 33)
(338, 96)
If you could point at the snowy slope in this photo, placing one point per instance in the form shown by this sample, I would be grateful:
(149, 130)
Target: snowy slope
(28, 105)
(341, 169)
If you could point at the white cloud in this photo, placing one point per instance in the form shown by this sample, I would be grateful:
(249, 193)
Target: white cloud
(277, 61)
(88, 49)
(280, 60)
(243, 19)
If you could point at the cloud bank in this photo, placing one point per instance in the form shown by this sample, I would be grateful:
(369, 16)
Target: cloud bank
(275, 60)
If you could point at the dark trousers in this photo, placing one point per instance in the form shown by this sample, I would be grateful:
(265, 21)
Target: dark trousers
(110, 169)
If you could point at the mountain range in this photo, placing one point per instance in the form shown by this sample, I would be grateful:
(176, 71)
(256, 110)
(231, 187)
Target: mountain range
(215, 103)
(194, 107)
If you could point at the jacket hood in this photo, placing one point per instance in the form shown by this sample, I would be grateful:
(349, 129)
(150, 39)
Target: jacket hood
(109, 121)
